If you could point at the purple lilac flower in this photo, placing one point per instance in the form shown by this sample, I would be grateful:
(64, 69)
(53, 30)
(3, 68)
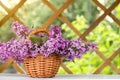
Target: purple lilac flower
(4, 51)
(91, 45)
(41, 35)
(19, 29)
(49, 47)
(23, 49)
(77, 48)
(69, 48)
(33, 51)
(1, 44)
(55, 32)
(19, 50)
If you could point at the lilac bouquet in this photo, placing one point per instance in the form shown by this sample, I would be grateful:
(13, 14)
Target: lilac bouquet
(21, 48)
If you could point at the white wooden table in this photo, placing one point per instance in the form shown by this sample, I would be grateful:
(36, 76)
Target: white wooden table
(60, 77)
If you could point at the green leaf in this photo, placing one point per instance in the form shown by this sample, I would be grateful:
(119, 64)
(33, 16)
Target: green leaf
(36, 39)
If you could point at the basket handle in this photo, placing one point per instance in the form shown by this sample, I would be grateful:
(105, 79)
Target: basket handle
(37, 31)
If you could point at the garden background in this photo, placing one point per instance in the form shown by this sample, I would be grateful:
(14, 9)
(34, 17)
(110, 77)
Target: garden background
(81, 13)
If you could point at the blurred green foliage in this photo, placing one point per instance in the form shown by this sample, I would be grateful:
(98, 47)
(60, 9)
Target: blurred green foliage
(106, 35)
(35, 13)
(81, 13)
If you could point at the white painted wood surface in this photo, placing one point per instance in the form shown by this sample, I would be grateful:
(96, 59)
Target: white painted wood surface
(60, 77)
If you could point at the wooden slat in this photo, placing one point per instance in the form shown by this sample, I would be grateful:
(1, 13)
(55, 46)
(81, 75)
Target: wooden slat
(18, 68)
(11, 62)
(95, 23)
(56, 14)
(65, 20)
(12, 12)
(62, 18)
(5, 65)
(110, 14)
(104, 59)
(107, 61)
(118, 22)
(66, 69)
(14, 16)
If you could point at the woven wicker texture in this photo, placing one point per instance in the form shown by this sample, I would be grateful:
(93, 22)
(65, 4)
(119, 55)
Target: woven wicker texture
(57, 13)
(41, 66)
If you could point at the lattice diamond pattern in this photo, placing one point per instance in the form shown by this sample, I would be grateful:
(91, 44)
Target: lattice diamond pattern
(57, 13)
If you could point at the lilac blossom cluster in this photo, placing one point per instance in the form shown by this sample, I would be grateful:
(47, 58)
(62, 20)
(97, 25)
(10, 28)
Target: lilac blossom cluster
(56, 44)
(69, 48)
(18, 50)
(20, 30)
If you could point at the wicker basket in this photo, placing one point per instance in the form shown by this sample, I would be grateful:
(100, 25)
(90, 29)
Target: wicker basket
(41, 66)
